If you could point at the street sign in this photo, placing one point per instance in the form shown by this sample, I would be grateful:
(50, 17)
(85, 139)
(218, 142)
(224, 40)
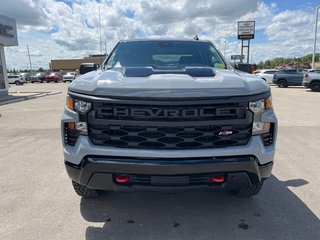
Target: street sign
(246, 30)
(237, 57)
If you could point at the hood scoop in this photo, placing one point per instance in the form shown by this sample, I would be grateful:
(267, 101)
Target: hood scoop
(147, 71)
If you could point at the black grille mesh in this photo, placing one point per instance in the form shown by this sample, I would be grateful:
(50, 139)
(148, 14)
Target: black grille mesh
(169, 137)
(173, 180)
(194, 132)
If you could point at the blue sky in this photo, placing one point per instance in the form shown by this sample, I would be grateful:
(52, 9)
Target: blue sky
(70, 29)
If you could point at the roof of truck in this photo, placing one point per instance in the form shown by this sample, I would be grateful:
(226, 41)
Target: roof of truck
(163, 39)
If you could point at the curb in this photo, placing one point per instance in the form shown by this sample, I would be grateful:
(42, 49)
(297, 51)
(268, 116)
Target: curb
(20, 99)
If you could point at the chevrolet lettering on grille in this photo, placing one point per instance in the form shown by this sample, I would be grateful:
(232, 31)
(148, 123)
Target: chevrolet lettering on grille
(170, 113)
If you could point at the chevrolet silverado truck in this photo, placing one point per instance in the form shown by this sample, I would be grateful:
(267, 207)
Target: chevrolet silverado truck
(168, 115)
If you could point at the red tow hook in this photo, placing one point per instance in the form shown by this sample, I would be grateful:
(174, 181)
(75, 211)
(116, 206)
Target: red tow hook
(217, 178)
(122, 178)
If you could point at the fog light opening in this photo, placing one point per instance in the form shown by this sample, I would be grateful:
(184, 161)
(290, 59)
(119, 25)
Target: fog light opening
(217, 178)
(122, 178)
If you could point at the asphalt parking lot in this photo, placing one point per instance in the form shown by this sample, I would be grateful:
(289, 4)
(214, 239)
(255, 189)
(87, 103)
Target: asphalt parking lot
(38, 202)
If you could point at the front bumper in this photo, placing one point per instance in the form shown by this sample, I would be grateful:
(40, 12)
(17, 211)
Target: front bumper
(98, 172)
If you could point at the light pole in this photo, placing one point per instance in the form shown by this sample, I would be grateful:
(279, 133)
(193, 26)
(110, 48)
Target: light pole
(29, 60)
(315, 37)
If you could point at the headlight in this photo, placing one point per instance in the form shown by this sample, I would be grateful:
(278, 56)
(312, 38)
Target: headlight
(82, 106)
(258, 107)
(80, 127)
(78, 105)
(260, 127)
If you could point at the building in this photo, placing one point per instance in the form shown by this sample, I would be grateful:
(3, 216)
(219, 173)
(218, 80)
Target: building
(74, 64)
(8, 37)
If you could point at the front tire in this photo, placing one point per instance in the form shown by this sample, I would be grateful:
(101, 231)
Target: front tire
(84, 191)
(315, 87)
(248, 192)
(17, 83)
(282, 83)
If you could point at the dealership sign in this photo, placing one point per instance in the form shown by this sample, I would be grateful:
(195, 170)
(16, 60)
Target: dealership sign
(8, 31)
(246, 29)
(237, 57)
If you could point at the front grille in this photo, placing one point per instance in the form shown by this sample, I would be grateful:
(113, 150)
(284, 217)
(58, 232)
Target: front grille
(163, 126)
(190, 112)
(166, 137)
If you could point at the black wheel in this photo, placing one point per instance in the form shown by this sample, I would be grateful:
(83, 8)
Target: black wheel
(248, 192)
(83, 191)
(17, 83)
(282, 83)
(315, 87)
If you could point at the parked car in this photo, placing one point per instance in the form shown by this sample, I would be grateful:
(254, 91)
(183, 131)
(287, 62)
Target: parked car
(16, 79)
(25, 76)
(266, 74)
(289, 77)
(311, 79)
(54, 77)
(69, 77)
(245, 67)
(39, 77)
(88, 67)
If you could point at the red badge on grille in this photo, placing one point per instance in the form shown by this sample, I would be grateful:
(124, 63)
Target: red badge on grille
(225, 133)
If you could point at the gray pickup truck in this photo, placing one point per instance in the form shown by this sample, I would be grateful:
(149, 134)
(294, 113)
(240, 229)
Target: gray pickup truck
(168, 115)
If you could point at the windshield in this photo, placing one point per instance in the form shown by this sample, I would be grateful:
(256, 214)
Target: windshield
(165, 54)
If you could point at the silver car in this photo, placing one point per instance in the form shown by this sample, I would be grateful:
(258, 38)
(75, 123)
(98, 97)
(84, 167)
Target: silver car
(266, 74)
(311, 79)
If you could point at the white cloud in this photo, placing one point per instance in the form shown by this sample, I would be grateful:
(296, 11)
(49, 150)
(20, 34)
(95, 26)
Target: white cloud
(56, 29)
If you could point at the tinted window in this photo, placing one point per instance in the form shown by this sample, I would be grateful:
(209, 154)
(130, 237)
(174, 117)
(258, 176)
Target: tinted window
(270, 72)
(302, 70)
(87, 68)
(291, 71)
(165, 54)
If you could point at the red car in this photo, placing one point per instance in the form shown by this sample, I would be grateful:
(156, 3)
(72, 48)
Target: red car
(54, 77)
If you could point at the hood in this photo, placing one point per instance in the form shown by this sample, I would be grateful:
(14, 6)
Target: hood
(114, 83)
